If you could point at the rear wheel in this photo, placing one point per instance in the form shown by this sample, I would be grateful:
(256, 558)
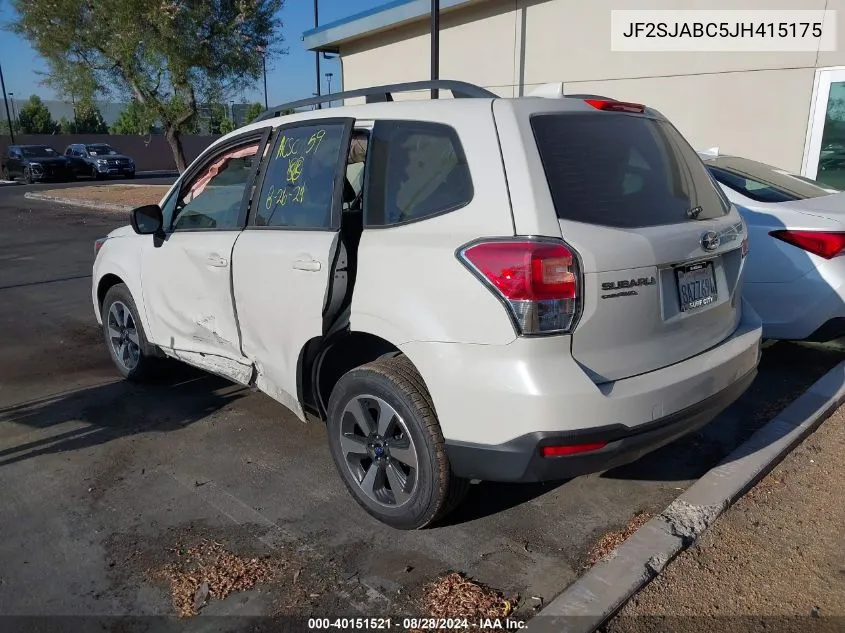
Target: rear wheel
(388, 447)
(6, 174)
(124, 334)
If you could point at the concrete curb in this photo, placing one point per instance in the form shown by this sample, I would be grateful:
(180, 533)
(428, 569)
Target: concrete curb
(597, 595)
(77, 202)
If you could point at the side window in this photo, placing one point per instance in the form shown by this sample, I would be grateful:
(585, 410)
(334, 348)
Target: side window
(417, 170)
(299, 185)
(212, 199)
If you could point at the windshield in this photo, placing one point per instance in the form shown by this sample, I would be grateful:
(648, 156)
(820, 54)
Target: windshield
(763, 183)
(38, 151)
(100, 150)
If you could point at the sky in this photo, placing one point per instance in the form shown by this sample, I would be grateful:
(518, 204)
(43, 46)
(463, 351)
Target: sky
(289, 77)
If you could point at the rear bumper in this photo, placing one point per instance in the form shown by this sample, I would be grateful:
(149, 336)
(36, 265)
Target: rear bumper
(501, 403)
(520, 460)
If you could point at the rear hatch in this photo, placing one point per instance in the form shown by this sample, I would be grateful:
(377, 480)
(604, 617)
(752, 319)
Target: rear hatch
(660, 247)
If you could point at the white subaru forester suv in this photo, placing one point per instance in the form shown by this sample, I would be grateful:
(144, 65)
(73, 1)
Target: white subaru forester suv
(463, 289)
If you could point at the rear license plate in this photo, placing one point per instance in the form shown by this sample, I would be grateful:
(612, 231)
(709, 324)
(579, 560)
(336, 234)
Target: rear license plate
(696, 285)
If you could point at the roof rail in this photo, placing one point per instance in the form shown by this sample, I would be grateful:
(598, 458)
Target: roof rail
(377, 94)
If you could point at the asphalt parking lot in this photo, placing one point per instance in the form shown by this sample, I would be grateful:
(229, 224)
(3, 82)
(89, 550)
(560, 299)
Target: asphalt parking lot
(101, 480)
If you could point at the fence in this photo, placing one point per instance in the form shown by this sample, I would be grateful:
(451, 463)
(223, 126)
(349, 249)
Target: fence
(150, 153)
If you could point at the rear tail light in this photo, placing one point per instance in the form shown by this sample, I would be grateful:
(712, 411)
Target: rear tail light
(570, 449)
(615, 106)
(98, 244)
(538, 281)
(822, 243)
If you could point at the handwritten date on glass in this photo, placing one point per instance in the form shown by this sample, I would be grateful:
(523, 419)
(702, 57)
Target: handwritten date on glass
(295, 194)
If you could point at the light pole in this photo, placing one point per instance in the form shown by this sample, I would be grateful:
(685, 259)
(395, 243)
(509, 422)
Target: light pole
(14, 110)
(329, 81)
(6, 103)
(263, 51)
(264, 69)
(232, 111)
(435, 45)
(317, 53)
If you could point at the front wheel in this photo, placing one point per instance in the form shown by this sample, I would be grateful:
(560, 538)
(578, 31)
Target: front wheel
(388, 447)
(124, 334)
(27, 175)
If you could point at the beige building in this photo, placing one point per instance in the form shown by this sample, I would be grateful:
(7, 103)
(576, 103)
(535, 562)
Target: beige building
(784, 108)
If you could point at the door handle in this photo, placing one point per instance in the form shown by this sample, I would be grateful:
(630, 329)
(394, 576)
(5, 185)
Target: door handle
(311, 265)
(217, 261)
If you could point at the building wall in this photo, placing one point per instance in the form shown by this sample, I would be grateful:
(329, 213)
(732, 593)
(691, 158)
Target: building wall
(150, 153)
(753, 104)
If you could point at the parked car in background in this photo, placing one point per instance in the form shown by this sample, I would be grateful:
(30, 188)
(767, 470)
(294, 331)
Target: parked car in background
(519, 289)
(99, 160)
(795, 271)
(35, 163)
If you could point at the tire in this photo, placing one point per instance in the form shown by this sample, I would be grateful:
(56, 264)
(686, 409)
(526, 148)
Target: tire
(136, 361)
(6, 175)
(27, 176)
(392, 386)
(95, 175)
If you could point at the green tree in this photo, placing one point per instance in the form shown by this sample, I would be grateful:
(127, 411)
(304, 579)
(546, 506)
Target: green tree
(226, 126)
(66, 126)
(88, 119)
(135, 118)
(168, 54)
(35, 118)
(252, 111)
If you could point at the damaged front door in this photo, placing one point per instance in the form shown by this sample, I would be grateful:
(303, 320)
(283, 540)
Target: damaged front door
(187, 278)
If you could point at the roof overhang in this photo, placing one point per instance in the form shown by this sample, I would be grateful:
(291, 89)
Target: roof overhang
(329, 37)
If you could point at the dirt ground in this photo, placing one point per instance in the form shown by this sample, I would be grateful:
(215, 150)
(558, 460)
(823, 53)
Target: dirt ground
(777, 555)
(130, 195)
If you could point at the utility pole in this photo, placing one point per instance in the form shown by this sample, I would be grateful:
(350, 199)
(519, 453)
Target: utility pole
(6, 103)
(317, 53)
(435, 45)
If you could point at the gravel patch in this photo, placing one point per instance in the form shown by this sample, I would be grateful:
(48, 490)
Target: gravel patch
(128, 195)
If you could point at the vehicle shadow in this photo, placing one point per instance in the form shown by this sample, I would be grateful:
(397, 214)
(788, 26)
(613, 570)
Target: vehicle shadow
(96, 415)
(489, 498)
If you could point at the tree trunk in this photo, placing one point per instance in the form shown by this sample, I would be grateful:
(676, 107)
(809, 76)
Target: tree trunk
(174, 139)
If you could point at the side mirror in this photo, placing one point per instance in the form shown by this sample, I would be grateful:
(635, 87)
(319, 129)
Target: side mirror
(148, 220)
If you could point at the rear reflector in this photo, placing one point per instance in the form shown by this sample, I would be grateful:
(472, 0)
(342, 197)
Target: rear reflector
(615, 106)
(537, 280)
(822, 243)
(570, 449)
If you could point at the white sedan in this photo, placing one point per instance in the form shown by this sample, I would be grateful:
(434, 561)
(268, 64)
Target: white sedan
(795, 272)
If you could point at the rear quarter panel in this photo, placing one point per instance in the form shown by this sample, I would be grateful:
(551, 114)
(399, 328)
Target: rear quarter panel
(410, 285)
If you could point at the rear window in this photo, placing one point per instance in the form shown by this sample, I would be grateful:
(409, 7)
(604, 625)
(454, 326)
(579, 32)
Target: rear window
(623, 171)
(763, 183)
